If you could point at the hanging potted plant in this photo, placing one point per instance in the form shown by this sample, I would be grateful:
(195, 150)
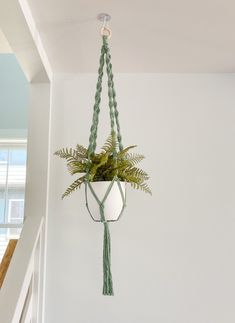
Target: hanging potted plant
(108, 175)
(105, 174)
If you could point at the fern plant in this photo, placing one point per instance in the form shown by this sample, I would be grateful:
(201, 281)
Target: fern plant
(103, 166)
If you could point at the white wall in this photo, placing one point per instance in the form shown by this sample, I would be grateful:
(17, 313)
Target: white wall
(172, 253)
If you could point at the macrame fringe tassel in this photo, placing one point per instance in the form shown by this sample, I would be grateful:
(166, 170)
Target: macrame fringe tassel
(107, 275)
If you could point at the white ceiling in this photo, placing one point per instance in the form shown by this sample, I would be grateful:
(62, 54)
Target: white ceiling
(148, 36)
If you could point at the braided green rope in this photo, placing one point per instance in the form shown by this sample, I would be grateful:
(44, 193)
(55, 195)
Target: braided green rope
(107, 275)
(105, 57)
(112, 92)
(96, 109)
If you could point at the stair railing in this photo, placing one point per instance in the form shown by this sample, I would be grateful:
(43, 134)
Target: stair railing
(21, 292)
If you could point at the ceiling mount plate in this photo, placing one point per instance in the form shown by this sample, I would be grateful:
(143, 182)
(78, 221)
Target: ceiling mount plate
(104, 17)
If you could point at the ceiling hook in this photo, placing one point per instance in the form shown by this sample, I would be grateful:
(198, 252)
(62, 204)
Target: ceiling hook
(105, 30)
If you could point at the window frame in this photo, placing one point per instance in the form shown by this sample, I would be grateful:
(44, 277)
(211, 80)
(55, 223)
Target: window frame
(10, 144)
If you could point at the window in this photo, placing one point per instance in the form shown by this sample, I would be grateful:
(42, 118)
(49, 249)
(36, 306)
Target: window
(15, 213)
(12, 188)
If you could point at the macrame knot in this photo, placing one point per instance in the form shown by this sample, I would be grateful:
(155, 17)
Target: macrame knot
(102, 217)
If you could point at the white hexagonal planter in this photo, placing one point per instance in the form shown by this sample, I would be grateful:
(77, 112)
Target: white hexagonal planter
(113, 204)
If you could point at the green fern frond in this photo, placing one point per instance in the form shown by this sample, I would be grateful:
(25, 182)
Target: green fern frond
(110, 145)
(133, 158)
(122, 153)
(82, 151)
(67, 153)
(138, 173)
(143, 187)
(76, 167)
(74, 186)
(103, 158)
(134, 174)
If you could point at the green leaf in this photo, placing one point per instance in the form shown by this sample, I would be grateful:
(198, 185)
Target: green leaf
(103, 158)
(110, 145)
(75, 167)
(123, 152)
(74, 186)
(82, 151)
(143, 187)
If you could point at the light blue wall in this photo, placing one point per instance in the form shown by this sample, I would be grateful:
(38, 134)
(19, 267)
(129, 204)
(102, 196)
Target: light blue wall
(14, 98)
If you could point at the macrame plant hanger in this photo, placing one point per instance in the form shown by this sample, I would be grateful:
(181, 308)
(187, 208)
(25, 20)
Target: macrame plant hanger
(105, 59)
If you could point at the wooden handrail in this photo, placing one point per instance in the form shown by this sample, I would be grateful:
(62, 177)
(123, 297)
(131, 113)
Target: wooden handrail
(7, 259)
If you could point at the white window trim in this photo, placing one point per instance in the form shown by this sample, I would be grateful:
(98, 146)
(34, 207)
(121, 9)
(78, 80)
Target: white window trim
(11, 143)
(10, 206)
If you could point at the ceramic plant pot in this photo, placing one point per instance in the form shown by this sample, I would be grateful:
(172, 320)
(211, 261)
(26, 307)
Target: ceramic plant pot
(113, 204)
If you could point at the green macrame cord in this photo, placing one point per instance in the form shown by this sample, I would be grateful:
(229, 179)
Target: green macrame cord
(105, 58)
(107, 275)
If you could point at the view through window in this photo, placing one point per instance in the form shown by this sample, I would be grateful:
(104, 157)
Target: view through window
(12, 190)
